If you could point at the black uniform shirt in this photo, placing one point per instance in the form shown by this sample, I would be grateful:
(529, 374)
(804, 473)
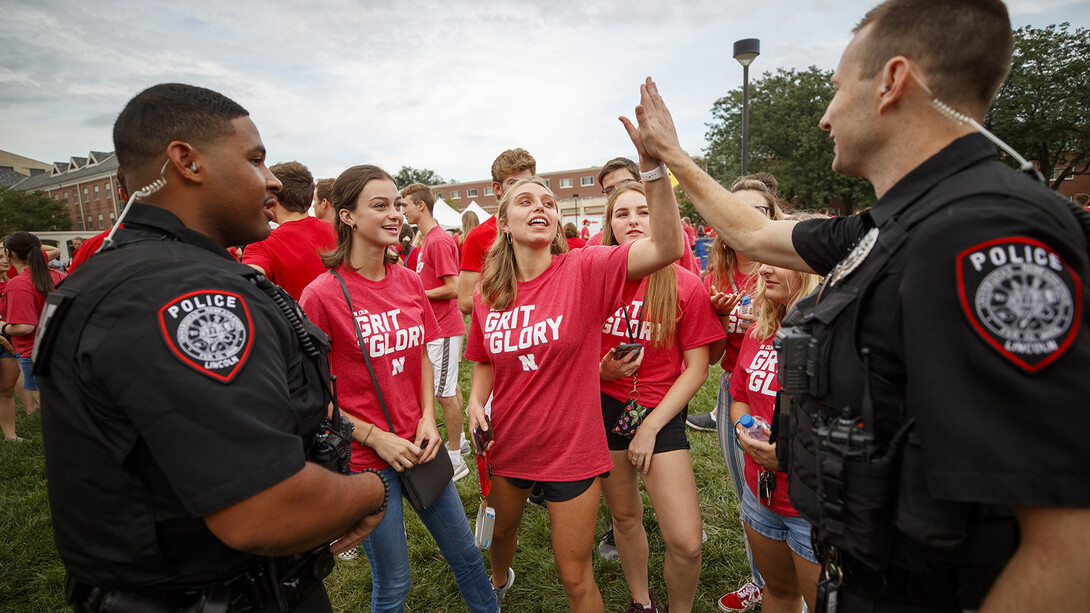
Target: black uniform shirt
(184, 393)
(978, 330)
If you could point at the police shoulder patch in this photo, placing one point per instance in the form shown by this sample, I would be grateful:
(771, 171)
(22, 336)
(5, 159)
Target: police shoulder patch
(1021, 298)
(208, 330)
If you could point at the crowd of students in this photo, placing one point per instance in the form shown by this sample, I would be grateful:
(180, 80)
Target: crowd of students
(547, 310)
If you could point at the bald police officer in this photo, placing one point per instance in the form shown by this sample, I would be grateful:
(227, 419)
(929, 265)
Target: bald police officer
(937, 442)
(183, 392)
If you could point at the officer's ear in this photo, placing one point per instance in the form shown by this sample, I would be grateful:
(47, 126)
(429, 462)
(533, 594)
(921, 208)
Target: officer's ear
(184, 160)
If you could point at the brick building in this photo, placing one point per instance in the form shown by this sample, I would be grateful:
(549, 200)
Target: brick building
(577, 192)
(87, 186)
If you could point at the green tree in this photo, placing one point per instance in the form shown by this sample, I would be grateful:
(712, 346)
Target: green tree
(409, 175)
(1043, 108)
(784, 139)
(31, 211)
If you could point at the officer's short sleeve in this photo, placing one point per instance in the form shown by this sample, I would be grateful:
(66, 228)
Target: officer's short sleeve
(822, 243)
(206, 376)
(997, 356)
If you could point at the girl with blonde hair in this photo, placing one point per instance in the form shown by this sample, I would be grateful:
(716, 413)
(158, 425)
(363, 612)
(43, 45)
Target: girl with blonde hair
(535, 338)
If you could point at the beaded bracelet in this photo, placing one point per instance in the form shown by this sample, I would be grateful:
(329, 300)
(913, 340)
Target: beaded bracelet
(385, 487)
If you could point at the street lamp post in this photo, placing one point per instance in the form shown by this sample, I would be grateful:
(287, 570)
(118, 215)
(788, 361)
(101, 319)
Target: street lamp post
(745, 51)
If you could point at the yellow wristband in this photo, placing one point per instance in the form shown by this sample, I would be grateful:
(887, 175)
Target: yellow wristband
(368, 434)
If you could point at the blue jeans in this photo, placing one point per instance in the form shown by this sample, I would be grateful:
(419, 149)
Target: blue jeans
(30, 381)
(768, 523)
(734, 457)
(388, 553)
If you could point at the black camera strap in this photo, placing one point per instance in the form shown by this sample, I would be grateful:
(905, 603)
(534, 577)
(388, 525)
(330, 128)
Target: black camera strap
(363, 350)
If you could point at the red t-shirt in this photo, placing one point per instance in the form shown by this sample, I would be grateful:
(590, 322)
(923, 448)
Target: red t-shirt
(690, 234)
(290, 255)
(477, 244)
(23, 304)
(596, 239)
(689, 262)
(584, 233)
(575, 242)
(438, 259)
(396, 321)
(697, 325)
(754, 382)
(544, 350)
(735, 333)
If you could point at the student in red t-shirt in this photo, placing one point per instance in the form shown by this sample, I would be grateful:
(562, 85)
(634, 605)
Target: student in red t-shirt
(23, 300)
(391, 312)
(289, 257)
(669, 314)
(779, 538)
(730, 276)
(570, 236)
(535, 337)
(437, 265)
(510, 166)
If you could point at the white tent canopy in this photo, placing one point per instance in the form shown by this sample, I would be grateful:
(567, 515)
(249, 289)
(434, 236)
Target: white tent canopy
(476, 208)
(448, 218)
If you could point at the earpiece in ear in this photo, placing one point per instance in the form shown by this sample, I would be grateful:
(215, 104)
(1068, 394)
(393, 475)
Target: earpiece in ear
(193, 166)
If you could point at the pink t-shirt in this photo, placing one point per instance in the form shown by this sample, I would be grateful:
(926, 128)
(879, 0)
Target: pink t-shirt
(290, 255)
(697, 325)
(735, 332)
(23, 304)
(754, 382)
(690, 234)
(596, 239)
(477, 244)
(544, 351)
(396, 321)
(438, 259)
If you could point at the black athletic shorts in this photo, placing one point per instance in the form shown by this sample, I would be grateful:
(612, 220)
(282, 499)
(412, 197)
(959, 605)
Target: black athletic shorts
(670, 438)
(557, 491)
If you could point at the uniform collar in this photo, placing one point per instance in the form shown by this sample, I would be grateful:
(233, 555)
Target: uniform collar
(143, 218)
(954, 158)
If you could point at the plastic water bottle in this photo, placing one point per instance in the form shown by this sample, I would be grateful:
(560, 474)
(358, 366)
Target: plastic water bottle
(756, 427)
(745, 306)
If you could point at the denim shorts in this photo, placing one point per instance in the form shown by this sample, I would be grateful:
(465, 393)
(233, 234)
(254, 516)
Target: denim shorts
(794, 530)
(30, 381)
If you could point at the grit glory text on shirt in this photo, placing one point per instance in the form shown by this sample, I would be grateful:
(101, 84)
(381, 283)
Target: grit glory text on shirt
(516, 330)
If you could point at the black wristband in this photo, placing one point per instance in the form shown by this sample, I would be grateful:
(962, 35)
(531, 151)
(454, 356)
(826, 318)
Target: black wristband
(4, 329)
(385, 487)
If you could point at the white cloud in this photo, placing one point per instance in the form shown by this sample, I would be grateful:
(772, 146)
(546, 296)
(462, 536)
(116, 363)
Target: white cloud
(440, 85)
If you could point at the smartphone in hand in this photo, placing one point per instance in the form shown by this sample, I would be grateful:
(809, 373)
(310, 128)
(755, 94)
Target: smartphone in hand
(626, 348)
(483, 437)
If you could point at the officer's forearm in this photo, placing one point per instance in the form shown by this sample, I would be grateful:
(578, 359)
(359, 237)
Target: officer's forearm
(312, 507)
(1050, 570)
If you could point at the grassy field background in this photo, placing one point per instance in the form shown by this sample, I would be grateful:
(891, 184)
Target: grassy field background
(31, 575)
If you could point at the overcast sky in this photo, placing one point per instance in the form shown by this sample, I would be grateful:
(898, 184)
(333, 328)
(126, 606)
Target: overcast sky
(439, 85)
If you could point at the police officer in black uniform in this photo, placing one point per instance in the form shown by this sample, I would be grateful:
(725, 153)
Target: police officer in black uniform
(934, 419)
(184, 395)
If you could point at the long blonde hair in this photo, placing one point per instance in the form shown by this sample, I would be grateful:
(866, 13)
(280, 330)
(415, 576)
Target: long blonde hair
(660, 303)
(499, 279)
(722, 260)
(769, 313)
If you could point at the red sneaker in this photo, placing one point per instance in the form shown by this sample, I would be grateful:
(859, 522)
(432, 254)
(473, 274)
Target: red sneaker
(744, 598)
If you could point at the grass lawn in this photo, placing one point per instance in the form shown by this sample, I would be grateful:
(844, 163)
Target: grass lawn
(31, 575)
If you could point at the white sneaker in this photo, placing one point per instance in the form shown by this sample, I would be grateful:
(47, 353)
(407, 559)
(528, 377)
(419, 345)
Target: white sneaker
(351, 554)
(461, 469)
(465, 448)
